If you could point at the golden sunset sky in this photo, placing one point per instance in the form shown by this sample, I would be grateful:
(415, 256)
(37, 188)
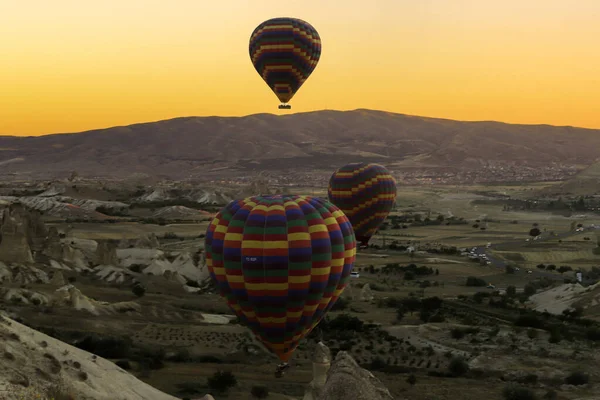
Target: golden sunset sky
(72, 65)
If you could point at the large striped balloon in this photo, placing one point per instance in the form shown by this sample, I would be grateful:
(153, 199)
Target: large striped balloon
(281, 262)
(285, 51)
(366, 194)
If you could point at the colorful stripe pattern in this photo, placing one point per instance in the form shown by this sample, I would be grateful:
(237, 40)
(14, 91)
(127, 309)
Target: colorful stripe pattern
(366, 193)
(285, 51)
(281, 262)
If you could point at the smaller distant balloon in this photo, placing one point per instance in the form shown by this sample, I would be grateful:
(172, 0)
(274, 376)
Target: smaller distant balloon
(285, 52)
(366, 193)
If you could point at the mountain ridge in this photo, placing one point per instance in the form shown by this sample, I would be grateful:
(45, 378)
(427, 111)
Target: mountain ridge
(309, 141)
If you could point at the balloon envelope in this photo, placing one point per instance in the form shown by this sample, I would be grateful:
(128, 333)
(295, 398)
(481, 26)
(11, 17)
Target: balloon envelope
(366, 194)
(281, 262)
(284, 52)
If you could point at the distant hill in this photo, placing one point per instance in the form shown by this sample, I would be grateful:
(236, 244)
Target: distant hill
(191, 146)
(585, 182)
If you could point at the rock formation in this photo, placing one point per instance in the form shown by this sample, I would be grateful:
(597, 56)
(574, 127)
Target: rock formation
(347, 380)
(366, 294)
(34, 363)
(58, 279)
(53, 247)
(106, 253)
(147, 242)
(14, 230)
(321, 361)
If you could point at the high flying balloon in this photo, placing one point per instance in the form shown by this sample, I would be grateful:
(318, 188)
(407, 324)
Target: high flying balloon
(284, 52)
(366, 193)
(281, 262)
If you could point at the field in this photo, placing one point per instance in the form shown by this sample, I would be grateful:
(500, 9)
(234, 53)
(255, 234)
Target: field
(176, 339)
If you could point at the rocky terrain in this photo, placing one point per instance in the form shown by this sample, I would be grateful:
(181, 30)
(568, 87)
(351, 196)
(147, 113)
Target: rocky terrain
(321, 140)
(80, 289)
(36, 366)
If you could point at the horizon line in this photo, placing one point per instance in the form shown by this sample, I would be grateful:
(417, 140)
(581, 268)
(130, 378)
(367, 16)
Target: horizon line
(296, 113)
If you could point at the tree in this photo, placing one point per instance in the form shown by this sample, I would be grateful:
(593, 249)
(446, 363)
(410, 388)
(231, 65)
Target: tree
(138, 290)
(399, 314)
(411, 304)
(458, 367)
(412, 379)
(541, 266)
(511, 291)
(577, 378)
(514, 392)
(222, 381)
(259, 392)
(564, 268)
(473, 281)
(535, 232)
(509, 269)
(529, 290)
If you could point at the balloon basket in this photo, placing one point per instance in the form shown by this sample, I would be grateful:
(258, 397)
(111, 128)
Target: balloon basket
(281, 369)
(285, 107)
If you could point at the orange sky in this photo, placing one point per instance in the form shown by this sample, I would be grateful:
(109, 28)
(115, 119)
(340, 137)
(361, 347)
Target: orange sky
(72, 65)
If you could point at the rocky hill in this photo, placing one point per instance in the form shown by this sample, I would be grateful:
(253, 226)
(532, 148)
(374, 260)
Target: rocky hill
(190, 146)
(36, 366)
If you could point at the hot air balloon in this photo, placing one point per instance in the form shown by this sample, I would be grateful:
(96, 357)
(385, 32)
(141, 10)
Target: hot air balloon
(285, 51)
(366, 194)
(281, 262)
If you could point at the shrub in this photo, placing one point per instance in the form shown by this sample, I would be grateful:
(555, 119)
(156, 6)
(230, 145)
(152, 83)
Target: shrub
(259, 392)
(532, 333)
(222, 381)
(473, 281)
(138, 290)
(514, 392)
(577, 378)
(124, 364)
(458, 367)
(412, 379)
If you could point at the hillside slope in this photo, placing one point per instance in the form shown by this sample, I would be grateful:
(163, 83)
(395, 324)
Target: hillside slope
(35, 364)
(306, 141)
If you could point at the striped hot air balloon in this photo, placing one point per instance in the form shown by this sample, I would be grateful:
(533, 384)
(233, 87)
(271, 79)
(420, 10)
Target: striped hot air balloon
(281, 262)
(366, 194)
(284, 52)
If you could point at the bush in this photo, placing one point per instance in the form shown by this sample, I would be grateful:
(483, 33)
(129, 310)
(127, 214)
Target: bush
(124, 364)
(458, 367)
(222, 381)
(457, 333)
(412, 379)
(529, 321)
(473, 281)
(532, 333)
(105, 347)
(340, 305)
(138, 290)
(529, 290)
(577, 378)
(514, 392)
(259, 392)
